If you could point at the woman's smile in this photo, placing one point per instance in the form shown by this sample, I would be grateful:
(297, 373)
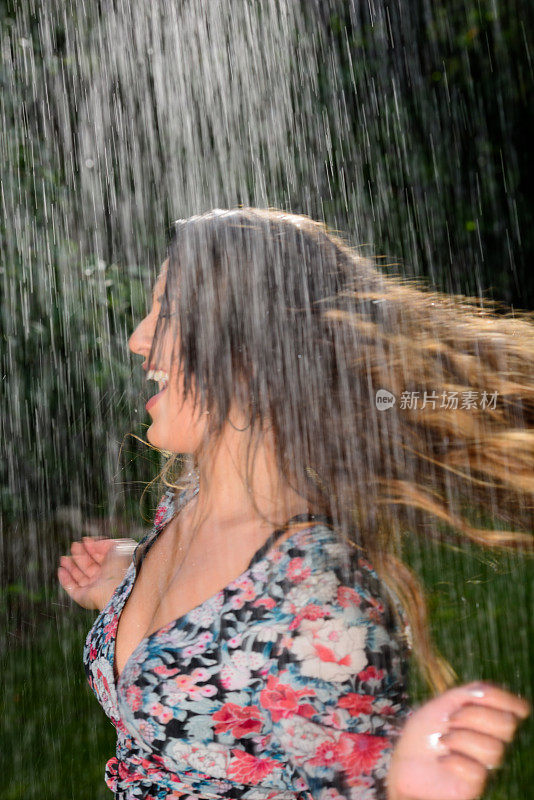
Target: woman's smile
(162, 379)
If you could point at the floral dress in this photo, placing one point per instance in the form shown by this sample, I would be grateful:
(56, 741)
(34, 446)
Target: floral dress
(290, 683)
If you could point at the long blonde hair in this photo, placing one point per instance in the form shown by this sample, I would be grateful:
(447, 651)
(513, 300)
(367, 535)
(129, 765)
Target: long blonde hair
(394, 408)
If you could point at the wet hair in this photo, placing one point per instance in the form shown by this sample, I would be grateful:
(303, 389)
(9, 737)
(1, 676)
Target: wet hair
(275, 312)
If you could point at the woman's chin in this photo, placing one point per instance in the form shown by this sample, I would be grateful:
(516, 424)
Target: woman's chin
(155, 439)
(162, 442)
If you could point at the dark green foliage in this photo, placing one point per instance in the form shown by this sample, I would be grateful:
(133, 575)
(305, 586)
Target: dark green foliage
(451, 128)
(54, 738)
(477, 603)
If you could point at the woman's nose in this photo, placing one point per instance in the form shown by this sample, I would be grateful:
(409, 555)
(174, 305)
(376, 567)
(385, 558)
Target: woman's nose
(140, 341)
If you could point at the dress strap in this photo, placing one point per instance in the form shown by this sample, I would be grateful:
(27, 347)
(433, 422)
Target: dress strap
(168, 508)
(279, 532)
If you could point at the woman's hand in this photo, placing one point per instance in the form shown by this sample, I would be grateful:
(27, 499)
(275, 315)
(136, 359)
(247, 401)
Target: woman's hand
(94, 569)
(448, 745)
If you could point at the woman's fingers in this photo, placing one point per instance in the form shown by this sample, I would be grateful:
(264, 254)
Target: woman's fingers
(82, 567)
(78, 577)
(492, 721)
(488, 694)
(469, 770)
(64, 577)
(83, 559)
(487, 750)
(478, 730)
(98, 548)
(68, 583)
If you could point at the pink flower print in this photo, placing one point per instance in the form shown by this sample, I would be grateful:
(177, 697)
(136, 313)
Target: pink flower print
(147, 730)
(204, 615)
(241, 659)
(262, 742)
(371, 674)
(111, 773)
(235, 641)
(246, 768)
(122, 770)
(311, 611)
(184, 682)
(199, 646)
(210, 760)
(119, 726)
(267, 602)
(283, 701)
(208, 690)
(165, 716)
(161, 669)
(326, 755)
(332, 794)
(359, 752)
(237, 601)
(357, 703)
(255, 660)
(376, 612)
(384, 707)
(329, 649)
(242, 582)
(233, 677)
(160, 514)
(187, 684)
(238, 720)
(346, 597)
(104, 686)
(236, 673)
(155, 709)
(200, 674)
(285, 643)
(333, 720)
(133, 697)
(166, 628)
(297, 571)
(110, 629)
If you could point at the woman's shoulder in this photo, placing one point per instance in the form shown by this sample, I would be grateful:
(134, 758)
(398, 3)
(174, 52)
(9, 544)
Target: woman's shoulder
(318, 566)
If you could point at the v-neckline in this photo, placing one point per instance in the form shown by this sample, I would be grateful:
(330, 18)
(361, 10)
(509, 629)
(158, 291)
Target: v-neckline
(261, 554)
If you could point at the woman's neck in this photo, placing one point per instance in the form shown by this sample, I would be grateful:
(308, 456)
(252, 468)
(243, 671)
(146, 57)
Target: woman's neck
(240, 482)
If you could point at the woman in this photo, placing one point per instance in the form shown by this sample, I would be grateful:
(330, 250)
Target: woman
(263, 637)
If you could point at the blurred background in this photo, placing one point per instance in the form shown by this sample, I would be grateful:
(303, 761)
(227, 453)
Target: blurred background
(406, 125)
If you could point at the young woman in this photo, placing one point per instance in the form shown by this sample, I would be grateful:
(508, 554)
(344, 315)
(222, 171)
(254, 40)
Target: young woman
(256, 644)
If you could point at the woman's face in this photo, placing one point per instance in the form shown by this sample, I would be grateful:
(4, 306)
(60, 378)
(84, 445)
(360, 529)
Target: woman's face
(177, 426)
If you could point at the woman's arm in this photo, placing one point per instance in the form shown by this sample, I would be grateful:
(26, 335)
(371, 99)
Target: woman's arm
(335, 699)
(337, 703)
(448, 746)
(94, 569)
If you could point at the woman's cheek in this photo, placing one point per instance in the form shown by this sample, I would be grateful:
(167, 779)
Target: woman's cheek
(176, 426)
